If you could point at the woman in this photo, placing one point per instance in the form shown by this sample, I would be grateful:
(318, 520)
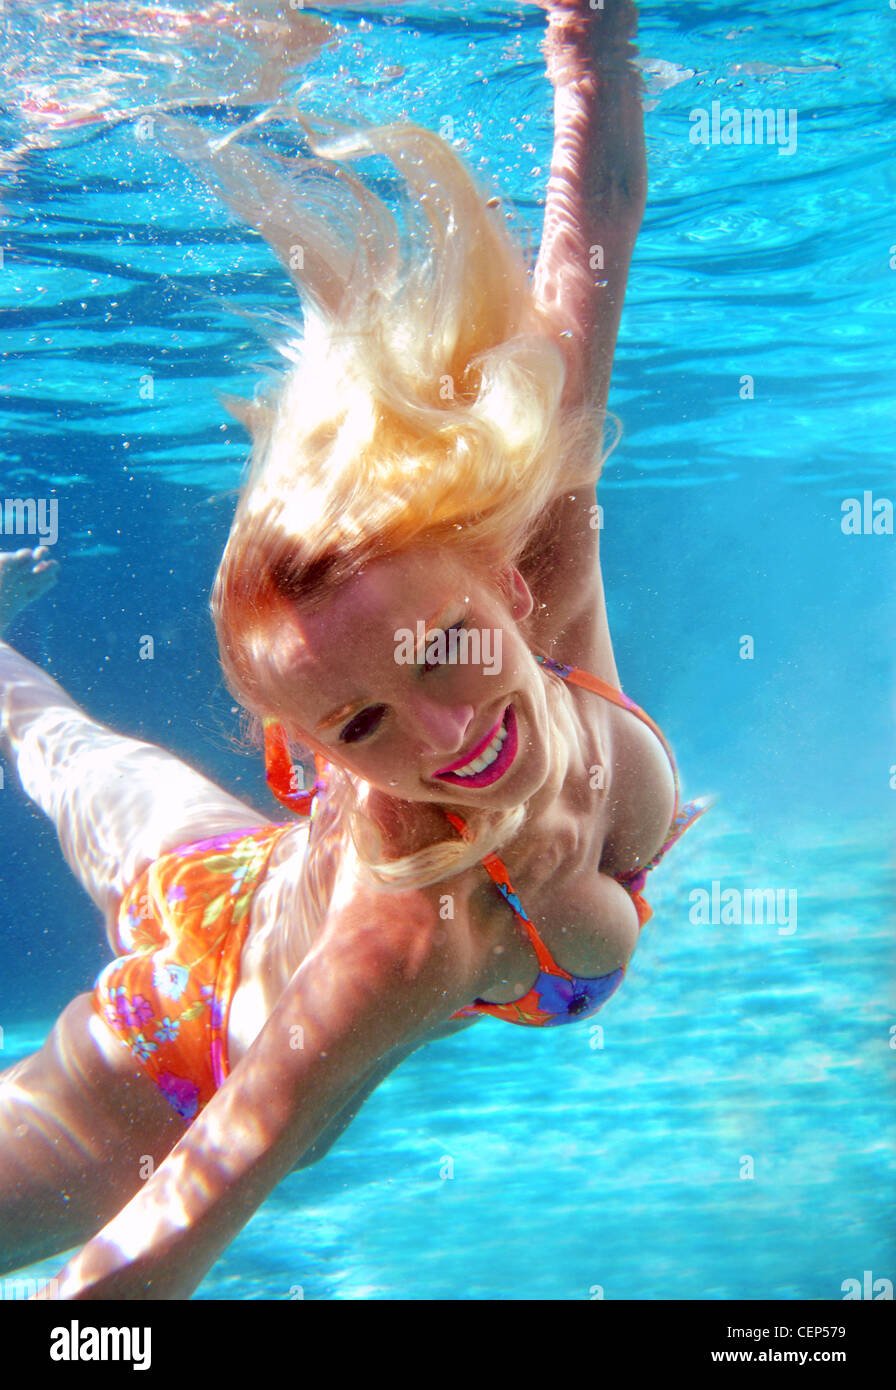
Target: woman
(413, 561)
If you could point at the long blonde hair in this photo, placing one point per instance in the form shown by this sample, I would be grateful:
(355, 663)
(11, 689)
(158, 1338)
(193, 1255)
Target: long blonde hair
(422, 404)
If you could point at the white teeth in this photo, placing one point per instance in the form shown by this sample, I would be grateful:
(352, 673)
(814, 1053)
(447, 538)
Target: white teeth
(485, 759)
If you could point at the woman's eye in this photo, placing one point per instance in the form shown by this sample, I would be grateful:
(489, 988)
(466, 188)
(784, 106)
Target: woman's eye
(363, 724)
(431, 665)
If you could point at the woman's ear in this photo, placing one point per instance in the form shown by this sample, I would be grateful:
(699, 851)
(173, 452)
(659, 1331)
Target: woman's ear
(516, 591)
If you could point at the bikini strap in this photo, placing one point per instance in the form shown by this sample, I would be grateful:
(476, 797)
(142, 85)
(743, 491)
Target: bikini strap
(280, 772)
(497, 872)
(576, 676)
(683, 820)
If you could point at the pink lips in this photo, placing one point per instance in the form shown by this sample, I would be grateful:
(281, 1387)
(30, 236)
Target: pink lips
(474, 753)
(498, 767)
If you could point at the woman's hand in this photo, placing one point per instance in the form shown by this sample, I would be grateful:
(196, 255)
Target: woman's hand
(609, 15)
(580, 38)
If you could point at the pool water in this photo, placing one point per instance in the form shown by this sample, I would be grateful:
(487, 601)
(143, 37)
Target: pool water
(724, 1128)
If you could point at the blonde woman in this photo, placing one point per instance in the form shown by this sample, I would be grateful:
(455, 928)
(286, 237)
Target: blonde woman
(412, 594)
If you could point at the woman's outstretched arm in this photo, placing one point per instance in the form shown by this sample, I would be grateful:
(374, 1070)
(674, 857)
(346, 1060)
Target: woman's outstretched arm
(598, 182)
(381, 977)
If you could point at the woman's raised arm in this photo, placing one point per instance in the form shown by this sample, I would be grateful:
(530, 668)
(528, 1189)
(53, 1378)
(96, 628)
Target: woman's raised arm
(598, 182)
(595, 203)
(380, 978)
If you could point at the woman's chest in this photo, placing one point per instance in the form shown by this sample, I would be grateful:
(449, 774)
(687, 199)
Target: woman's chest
(584, 923)
(610, 819)
(562, 872)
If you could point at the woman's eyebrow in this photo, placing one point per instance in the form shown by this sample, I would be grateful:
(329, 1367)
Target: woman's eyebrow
(337, 715)
(435, 620)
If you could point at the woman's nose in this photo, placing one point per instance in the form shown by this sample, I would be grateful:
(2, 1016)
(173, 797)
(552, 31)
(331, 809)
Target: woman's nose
(445, 728)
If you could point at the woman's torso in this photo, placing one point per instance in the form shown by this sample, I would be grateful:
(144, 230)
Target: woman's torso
(609, 819)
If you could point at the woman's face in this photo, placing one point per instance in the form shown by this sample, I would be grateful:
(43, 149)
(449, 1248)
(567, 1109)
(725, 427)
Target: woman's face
(415, 676)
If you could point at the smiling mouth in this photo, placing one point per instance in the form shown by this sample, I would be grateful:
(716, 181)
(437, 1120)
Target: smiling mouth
(490, 760)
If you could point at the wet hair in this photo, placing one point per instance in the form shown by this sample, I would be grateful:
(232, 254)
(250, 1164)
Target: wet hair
(421, 404)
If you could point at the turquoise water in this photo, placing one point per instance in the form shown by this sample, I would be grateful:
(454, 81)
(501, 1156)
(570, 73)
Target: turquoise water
(729, 1134)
